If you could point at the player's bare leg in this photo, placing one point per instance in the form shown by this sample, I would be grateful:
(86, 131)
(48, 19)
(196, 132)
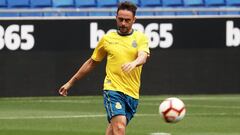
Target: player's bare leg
(118, 124)
(109, 130)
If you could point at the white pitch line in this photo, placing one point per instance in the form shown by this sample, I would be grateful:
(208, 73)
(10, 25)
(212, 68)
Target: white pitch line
(66, 116)
(104, 115)
(196, 106)
(54, 101)
(215, 106)
(53, 117)
(214, 114)
(193, 98)
(86, 100)
(160, 134)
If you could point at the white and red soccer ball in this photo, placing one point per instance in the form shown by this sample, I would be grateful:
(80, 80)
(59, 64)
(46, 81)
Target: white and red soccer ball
(172, 110)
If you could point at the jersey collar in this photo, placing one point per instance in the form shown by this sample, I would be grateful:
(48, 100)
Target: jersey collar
(121, 34)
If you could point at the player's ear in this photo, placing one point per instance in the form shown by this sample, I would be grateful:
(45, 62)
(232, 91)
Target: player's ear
(134, 19)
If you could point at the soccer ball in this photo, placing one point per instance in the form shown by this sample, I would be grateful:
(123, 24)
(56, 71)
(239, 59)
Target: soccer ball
(172, 110)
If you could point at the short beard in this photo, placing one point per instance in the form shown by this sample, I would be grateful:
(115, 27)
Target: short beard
(123, 32)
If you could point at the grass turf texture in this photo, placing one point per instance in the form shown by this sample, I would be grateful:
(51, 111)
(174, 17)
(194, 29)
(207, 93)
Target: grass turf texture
(85, 115)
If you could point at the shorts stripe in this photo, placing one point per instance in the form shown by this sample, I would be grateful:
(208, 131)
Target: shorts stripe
(108, 104)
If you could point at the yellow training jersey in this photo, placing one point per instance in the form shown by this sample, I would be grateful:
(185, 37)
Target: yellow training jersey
(120, 50)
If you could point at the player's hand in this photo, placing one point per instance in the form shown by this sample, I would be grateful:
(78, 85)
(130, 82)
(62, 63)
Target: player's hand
(128, 67)
(64, 89)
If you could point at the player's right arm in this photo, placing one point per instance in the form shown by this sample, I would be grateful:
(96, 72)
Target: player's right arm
(97, 56)
(87, 67)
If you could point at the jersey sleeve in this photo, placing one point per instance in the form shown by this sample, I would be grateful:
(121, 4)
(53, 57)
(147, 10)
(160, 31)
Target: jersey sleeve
(99, 52)
(143, 44)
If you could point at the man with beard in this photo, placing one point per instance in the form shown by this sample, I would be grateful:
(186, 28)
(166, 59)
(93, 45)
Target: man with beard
(126, 51)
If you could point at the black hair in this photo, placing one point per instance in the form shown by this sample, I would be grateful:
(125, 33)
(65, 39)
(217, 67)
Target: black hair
(126, 5)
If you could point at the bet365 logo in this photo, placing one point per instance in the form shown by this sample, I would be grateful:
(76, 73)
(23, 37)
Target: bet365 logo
(232, 35)
(15, 37)
(160, 35)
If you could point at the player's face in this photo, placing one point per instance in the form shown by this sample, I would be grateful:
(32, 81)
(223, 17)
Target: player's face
(125, 20)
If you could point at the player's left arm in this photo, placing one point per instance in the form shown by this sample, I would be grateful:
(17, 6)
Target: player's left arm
(140, 60)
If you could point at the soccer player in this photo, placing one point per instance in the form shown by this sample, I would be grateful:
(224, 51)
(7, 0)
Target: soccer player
(126, 51)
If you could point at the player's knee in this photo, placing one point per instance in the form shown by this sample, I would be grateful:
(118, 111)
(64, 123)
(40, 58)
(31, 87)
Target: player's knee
(119, 127)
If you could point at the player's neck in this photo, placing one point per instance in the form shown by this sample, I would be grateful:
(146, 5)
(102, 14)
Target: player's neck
(125, 34)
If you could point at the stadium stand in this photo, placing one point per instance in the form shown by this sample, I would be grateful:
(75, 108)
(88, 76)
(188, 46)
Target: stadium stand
(18, 3)
(137, 2)
(208, 13)
(172, 3)
(193, 3)
(215, 3)
(167, 13)
(229, 13)
(3, 3)
(100, 14)
(63, 3)
(54, 14)
(85, 3)
(142, 13)
(41, 3)
(151, 3)
(107, 3)
(38, 4)
(186, 13)
(30, 14)
(13, 8)
(212, 3)
(77, 14)
(9, 14)
(233, 2)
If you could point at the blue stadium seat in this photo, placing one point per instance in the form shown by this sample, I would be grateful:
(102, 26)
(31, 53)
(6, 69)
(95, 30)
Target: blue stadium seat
(54, 14)
(230, 13)
(100, 14)
(193, 3)
(167, 13)
(145, 13)
(107, 3)
(215, 2)
(233, 2)
(85, 3)
(151, 3)
(18, 3)
(31, 14)
(9, 14)
(136, 2)
(172, 3)
(41, 3)
(3, 3)
(208, 13)
(63, 3)
(77, 14)
(185, 13)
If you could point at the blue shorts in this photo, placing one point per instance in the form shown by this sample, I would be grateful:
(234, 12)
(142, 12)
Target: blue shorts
(118, 103)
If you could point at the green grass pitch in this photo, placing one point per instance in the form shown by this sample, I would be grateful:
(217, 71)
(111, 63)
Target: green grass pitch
(85, 115)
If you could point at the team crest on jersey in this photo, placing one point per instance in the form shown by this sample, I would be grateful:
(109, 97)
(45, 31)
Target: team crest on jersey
(134, 44)
(108, 81)
(118, 105)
